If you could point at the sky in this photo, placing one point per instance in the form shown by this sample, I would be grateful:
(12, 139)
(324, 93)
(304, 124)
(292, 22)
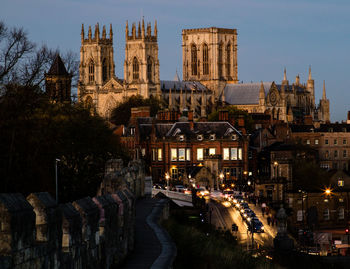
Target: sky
(272, 34)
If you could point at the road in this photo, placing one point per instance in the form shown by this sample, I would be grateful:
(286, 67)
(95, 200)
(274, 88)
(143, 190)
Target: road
(223, 215)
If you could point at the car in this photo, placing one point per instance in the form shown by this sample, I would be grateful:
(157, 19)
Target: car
(256, 227)
(228, 194)
(179, 188)
(244, 205)
(202, 192)
(159, 186)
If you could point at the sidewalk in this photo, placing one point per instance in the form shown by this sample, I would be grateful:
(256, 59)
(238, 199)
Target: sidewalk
(147, 246)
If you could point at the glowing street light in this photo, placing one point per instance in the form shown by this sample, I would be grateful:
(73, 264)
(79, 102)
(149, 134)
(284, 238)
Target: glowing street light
(167, 182)
(328, 191)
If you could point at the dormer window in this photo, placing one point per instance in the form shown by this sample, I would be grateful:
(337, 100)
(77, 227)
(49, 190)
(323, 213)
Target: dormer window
(132, 131)
(234, 137)
(212, 137)
(181, 138)
(200, 137)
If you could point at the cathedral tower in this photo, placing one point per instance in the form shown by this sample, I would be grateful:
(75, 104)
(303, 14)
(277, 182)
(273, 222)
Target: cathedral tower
(209, 55)
(323, 110)
(96, 63)
(141, 66)
(58, 82)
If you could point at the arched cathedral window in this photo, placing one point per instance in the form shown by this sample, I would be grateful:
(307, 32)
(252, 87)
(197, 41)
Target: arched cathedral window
(135, 69)
(91, 71)
(220, 61)
(194, 60)
(149, 69)
(228, 60)
(205, 60)
(104, 70)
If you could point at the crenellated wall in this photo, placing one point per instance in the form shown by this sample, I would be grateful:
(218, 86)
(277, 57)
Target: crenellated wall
(96, 232)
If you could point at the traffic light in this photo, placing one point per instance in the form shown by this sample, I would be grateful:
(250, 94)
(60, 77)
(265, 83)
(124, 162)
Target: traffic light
(347, 231)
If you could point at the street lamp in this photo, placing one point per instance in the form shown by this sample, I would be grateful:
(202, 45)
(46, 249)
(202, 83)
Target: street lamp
(167, 183)
(328, 191)
(56, 161)
(221, 176)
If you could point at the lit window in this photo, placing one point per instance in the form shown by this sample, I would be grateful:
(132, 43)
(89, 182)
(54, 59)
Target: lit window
(341, 213)
(182, 155)
(326, 214)
(173, 154)
(226, 154)
(308, 141)
(340, 183)
(143, 152)
(199, 137)
(239, 153)
(300, 215)
(212, 151)
(160, 155)
(233, 153)
(199, 154)
(341, 200)
(188, 154)
(316, 141)
(153, 154)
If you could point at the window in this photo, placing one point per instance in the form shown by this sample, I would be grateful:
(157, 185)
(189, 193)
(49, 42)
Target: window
(316, 141)
(341, 200)
(194, 60)
(160, 155)
(173, 154)
(335, 142)
(91, 71)
(149, 69)
(326, 214)
(340, 183)
(226, 156)
(181, 137)
(239, 153)
(199, 137)
(212, 151)
(326, 141)
(326, 155)
(220, 61)
(300, 215)
(233, 153)
(341, 213)
(228, 60)
(153, 154)
(344, 141)
(199, 154)
(345, 153)
(330, 130)
(335, 154)
(132, 130)
(308, 141)
(104, 70)
(188, 154)
(212, 137)
(135, 69)
(325, 165)
(182, 156)
(143, 152)
(174, 173)
(205, 60)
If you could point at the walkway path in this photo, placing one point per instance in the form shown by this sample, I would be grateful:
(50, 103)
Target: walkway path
(147, 246)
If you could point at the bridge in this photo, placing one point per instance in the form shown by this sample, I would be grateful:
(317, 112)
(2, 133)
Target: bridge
(179, 198)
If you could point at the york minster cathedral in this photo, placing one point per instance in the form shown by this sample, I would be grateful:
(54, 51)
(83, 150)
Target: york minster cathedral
(210, 76)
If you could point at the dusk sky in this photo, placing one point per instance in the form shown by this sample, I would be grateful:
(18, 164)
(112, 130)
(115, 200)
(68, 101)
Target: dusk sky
(272, 34)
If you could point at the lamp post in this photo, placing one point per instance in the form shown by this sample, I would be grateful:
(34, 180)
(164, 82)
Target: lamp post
(56, 161)
(221, 176)
(167, 183)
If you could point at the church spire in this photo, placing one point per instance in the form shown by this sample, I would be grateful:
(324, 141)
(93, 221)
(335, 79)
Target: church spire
(110, 32)
(324, 91)
(155, 29)
(82, 32)
(139, 31)
(89, 33)
(310, 77)
(126, 30)
(104, 32)
(143, 29)
(97, 32)
(285, 74)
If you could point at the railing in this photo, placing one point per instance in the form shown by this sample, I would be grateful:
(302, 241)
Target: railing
(173, 195)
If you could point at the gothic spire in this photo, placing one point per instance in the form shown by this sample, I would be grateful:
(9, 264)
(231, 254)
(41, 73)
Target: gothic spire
(104, 32)
(155, 29)
(139, 31)
(133, 30)
(97, 32)
(143, 29)
(89, 33)
(285, 74)
(82, 32)
(324, 91)
(262, 91)
(126, 30)
(110, 32)
(310, 77)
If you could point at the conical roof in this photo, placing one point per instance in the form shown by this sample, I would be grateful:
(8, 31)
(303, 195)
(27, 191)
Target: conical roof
(57, 67)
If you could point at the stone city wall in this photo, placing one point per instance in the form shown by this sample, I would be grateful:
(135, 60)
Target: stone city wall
(88, 233)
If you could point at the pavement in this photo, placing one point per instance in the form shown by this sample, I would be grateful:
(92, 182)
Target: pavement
(147, 246)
